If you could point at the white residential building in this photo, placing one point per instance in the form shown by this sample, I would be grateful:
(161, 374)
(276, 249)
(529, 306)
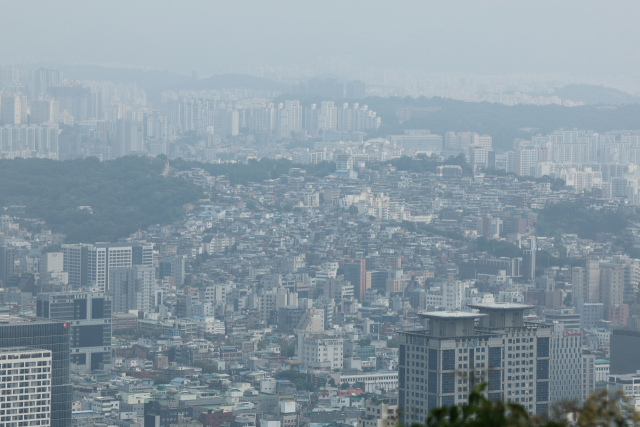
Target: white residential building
(37, 363)
(320, 351)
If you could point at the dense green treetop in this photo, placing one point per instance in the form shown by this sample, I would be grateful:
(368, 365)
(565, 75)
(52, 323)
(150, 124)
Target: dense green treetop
(125, 194)
(254, 170)
(576, 218)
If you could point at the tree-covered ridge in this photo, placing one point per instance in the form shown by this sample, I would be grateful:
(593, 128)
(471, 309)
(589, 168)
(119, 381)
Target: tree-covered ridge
(124, 195)
(576, 218)
(425, 164)
(254, 170)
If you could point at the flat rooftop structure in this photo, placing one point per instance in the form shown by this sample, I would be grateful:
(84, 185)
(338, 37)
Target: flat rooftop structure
(7, 319)
(502, 315)
(450, 315)
(501, 306)
(451, 323)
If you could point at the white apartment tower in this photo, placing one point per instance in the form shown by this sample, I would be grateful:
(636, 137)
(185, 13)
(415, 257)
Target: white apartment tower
(27, 377)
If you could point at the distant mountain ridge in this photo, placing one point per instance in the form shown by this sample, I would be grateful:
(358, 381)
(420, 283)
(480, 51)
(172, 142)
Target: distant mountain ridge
(156, 81)
(592, 94)
(231, 80)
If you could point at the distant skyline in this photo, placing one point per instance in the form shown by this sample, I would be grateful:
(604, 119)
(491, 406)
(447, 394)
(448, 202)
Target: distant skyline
(489, 37)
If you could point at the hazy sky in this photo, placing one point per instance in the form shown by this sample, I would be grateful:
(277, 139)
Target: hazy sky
(576, 37)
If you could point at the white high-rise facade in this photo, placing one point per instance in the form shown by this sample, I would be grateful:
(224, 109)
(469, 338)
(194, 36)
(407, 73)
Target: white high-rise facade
(27, 378)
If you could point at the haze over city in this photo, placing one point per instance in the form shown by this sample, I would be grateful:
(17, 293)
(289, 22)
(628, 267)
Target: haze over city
(319, 214)
(590, 38)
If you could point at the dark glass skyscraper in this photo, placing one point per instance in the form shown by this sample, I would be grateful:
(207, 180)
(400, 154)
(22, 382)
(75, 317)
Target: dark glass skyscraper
(16, 331)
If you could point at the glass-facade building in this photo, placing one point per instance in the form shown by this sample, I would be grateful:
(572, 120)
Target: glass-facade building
(17, 331)
(89, 317)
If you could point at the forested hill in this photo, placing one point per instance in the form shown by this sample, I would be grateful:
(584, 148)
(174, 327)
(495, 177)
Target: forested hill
(124, 194)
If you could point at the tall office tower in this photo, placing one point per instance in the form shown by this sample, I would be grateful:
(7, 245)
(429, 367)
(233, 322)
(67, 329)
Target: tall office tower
(566, 365)
(132, 288)
(88, 265)
(355, 272)
(529, 259)
(37, 363)
(48, 335)
(11, 109)
(88, 316)
(442, 364)
(44, 111)
(7, 262)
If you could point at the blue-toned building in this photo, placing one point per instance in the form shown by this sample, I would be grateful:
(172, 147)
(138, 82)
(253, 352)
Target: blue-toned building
(440, 365)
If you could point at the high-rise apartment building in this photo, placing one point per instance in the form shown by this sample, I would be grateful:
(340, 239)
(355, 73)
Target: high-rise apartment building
(328, 116)
(44, 111)
(45, 78)
(13, 109)
(34, 389)
(132, 288)
(442, 364)
(50, 335)
(88, 265)
(586, 282)
(88, 316)
(526, 161)
(611, 284)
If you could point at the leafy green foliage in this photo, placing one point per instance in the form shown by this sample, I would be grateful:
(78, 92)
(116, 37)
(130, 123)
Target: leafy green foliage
(287, 350)
(297, 378)
(429, 164)
(544, 259)
(574, 218)
(445, 233)
(254, 170)
(207, 368)
(498, 248)
(502, 122)
(599, 410)
(125, 194)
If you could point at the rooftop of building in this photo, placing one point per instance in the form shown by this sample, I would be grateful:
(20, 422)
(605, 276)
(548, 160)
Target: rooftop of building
(501, 306)
(7, 319)
(451, 315)
(24, 350)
